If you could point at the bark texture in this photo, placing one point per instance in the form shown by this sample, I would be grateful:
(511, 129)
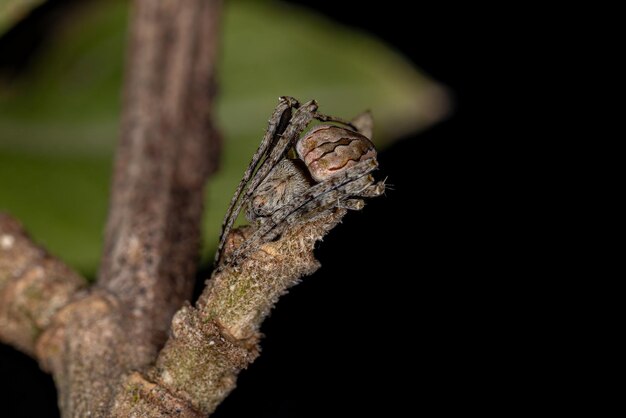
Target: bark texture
(34, 286)
(213, 341)
(166, 151)
(108, 347)
(168, 146)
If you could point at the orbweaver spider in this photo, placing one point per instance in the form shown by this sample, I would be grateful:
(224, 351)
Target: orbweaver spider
(332, 170)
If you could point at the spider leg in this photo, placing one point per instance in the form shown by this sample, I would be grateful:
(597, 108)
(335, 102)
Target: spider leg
(275, 226)
(372, 190)
(351, 204)
(298, 123)
(276, 126)
(319, 198)
(342, 181)
(274, 146)
(328, 118)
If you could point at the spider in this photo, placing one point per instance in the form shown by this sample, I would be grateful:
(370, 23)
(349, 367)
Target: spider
(332, 170)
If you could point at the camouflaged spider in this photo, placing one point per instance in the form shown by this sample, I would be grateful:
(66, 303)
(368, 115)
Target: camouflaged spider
(332, 171)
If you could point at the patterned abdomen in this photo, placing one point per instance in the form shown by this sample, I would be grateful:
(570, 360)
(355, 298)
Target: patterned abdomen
(328, 150)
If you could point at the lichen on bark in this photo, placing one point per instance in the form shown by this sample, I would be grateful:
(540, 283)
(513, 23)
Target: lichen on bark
(130, 345)
(211, 342)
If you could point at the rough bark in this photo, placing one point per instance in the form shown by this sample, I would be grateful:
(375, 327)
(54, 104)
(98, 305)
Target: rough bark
(107, 347)
(167, 149)
(34, 286)
(213, 341)
(165, 154)
(209, 344)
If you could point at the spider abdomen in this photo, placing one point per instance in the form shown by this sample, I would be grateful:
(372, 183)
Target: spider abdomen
(328, 150)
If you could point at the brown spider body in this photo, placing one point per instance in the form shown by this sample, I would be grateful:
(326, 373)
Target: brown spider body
(328, 150)
(286, 180)
(333, 171)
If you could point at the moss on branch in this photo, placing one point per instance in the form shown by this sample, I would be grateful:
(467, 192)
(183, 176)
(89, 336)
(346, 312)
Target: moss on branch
(211, 343)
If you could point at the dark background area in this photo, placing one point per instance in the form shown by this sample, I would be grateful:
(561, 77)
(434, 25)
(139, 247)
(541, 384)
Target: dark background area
(416, 300)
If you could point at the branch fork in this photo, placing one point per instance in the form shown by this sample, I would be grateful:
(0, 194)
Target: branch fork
(130, 345)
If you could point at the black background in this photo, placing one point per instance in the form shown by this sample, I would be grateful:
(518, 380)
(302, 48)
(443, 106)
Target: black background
(405, 316)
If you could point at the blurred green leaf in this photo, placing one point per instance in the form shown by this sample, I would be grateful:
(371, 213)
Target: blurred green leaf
(58, 122)
(62, 201)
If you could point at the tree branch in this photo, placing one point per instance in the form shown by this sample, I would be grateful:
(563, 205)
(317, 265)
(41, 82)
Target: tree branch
(34, 286)
(168, 147)
(102, 345)
(166, 151)
(213, 341)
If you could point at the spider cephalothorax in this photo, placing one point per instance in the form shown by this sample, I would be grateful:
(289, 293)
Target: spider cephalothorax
(332, 170)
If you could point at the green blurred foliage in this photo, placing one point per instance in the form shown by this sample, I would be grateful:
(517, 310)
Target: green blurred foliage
(59, 120)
